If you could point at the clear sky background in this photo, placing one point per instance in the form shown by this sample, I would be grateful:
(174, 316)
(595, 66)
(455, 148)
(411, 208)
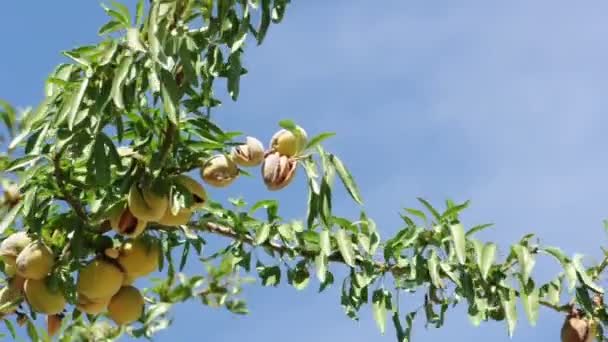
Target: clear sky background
(502, 103)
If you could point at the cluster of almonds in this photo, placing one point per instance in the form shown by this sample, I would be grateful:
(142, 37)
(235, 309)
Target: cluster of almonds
(278, 163)
(145, 206)
(104, 284)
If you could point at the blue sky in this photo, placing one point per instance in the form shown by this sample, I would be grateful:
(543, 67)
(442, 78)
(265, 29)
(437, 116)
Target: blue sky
(498, 102)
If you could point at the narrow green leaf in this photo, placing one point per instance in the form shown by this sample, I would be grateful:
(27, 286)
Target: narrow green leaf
(265, 20)
(123, 11)
(379, 309)
(262, 234)
(119, 79)
(556, 253)
(111, 26)
(321, 264)
(570, 272)
(487, 259)
(508, 303)
(457, 233)
(324, 242)
(433, 266)
(9, 217)
(102, 166)
(139, 13)
(75, 102)
(316, 140)
(530, 301)
(347, 179)
(478, 229)
(526, 261)
(170, 96)
(325, 203)
(582, 273)
(478, 247)
(346, 247)
(25, 161)
(11, 328)
(32, 332)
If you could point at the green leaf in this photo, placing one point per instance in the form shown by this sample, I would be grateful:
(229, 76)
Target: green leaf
(10, 328)
(457, 233)
(25, 161)
(478, 229)
(346, 247)
(433, 266)
(530, 301)
(487, 259)
(418, 213)
(170, 95)
(123, 11)
(286, 232)
(526, 261)
(119, 79)
(570, 272)
(265, 20)
(582, 273)
(8, 116)
(325, 203)
(430, 208)
(234, 74)
(133, 40)
(347, 179)
(32, 332)
(556, 253)
(262, 234)
(379, 309)
(321, 264)
(507, 299)
(325, 242)
(102, 166)
(139, 12)
(299, 277)
(111, 26)
(316, 140)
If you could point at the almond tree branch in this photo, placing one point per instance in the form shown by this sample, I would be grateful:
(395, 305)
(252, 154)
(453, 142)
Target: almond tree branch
(228, 232)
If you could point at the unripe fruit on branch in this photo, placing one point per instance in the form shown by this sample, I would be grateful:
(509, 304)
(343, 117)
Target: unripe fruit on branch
(182, 217)
(219, 171)
(99, 279)
(42, 299)
(92, 307)
(199, 195)
(278, 171)
(251, 153)
(287, 143)
(145, 204)
(126, 306)
(12, 246)
(35, 261)
(125, 223)
(138, 257)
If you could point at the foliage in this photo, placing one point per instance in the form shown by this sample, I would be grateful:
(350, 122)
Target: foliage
(137, 108)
